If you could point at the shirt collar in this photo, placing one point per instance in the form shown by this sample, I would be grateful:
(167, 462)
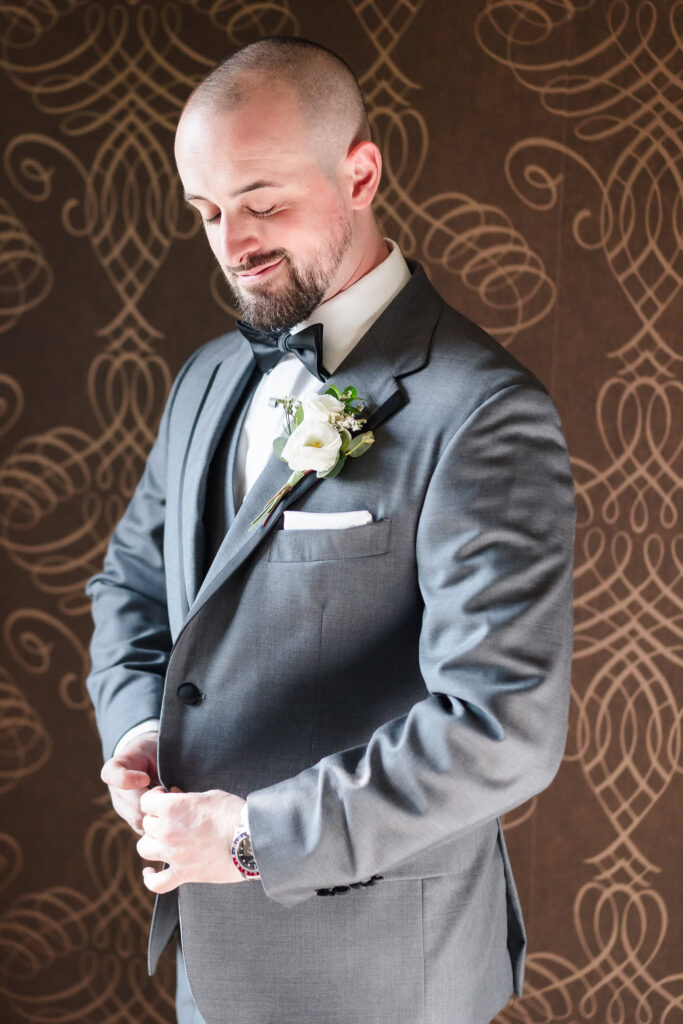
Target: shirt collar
(349, 314)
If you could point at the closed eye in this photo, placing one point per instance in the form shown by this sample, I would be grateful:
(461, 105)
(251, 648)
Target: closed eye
(254, 213)
(261, 213)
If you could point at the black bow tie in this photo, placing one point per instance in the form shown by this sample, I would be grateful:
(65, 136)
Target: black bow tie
(270, 346)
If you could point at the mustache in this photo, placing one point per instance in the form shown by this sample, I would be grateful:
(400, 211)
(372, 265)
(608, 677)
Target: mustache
(259, 261)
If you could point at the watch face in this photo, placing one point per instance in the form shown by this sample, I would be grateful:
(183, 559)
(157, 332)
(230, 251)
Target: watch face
(243, 855)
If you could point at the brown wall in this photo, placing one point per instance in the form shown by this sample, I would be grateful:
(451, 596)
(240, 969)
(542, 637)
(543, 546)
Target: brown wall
(533, 162)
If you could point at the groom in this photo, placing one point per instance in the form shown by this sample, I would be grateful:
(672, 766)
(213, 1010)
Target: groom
(315, 723)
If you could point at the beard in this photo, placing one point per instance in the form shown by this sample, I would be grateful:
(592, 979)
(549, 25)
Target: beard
(271, 307)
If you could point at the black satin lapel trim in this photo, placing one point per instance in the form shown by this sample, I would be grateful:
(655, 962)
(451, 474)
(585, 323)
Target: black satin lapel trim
(391, 405)
(184, 594)
(259, 533)
(232, 450)
(222, 392)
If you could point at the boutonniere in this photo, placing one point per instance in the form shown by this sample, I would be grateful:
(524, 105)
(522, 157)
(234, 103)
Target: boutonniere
(320, 433)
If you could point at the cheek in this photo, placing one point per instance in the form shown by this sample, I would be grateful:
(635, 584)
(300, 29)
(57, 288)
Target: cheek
(304, 233)
(213, 239)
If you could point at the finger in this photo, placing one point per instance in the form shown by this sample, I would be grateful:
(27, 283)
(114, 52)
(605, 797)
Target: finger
(150, 825)
(130, 812)
(150, 849)
(160, 881)
(131, 820)
(155, 800)
(115, 773)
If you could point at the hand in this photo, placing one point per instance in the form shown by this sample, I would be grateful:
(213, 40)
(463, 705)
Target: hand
(130, 774)
(191, 833)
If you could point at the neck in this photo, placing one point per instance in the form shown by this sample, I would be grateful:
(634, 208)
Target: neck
(374, 252)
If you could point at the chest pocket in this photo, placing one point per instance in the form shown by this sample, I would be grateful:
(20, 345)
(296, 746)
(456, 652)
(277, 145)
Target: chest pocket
(330, 545)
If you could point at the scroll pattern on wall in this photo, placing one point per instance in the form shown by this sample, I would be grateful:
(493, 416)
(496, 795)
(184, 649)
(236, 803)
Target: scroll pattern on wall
(105, 83)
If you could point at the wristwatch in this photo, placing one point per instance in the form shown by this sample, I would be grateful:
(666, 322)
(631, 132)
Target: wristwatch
(242, 853)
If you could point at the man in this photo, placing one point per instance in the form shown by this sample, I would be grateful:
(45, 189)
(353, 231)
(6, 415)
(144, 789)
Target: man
(344, 712)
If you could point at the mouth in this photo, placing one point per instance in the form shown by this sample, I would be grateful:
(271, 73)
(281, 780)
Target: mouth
(258, 273)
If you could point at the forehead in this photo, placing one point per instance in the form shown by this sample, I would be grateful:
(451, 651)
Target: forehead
(264, 137)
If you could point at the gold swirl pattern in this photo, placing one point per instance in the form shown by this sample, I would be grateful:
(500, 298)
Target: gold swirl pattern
(11, 860)
(242, 23)
(66, 469)
(25, 746)
(456, 232)
(627, 92)
(636, 424)
(11, 402)
(92, 945)
(25, 277)
(127, 96)
(36, 639)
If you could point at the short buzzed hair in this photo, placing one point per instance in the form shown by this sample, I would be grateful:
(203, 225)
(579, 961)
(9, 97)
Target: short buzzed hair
(324, 85)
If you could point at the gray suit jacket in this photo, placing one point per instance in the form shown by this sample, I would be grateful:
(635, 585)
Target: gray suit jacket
(382, 694)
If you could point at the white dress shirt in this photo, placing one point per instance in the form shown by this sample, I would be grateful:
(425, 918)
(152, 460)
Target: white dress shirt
(345, 318)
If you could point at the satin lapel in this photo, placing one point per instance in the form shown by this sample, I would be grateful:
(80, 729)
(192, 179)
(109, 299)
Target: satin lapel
(222, 392)
(232, 455)
(368, 372)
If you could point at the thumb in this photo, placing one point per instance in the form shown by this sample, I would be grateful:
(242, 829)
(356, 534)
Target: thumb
(160, 881)
(119, 775)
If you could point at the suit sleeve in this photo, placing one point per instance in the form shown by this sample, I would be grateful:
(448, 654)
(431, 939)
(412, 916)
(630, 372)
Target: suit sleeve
(131, 641)
(494, 550)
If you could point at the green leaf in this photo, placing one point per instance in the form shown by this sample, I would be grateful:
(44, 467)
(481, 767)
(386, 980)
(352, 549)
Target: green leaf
(348, 394)
(278, 445)
(298, 415)
(341, 459)
(333, 390)
(360, 445)
(345, 439)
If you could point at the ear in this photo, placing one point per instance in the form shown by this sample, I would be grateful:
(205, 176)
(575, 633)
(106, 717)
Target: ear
(364, 169)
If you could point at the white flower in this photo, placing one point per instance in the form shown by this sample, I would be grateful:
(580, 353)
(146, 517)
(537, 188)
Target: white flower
(312, 445)
(321, 408)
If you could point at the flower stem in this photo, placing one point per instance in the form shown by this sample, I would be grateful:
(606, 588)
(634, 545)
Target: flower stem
(271, 505)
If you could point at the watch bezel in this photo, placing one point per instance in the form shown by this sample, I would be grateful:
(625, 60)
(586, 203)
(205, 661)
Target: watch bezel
(243, 865)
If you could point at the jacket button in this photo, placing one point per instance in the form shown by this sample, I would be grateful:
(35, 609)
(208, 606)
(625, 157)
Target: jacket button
(188, 693)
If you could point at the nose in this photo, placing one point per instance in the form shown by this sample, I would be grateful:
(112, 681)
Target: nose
(238, 239)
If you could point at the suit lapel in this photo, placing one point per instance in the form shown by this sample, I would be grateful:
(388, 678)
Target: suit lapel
(236, 431)
(226, 383)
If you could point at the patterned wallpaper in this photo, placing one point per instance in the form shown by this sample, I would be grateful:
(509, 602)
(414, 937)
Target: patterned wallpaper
(534, 163)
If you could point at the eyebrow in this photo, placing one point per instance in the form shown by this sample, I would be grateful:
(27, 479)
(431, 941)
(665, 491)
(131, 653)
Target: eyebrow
(240, 191)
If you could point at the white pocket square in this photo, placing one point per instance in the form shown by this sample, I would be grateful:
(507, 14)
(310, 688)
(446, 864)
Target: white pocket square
(325, 520)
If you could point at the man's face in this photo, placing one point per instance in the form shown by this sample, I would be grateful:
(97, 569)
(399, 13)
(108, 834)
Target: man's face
(280, 227)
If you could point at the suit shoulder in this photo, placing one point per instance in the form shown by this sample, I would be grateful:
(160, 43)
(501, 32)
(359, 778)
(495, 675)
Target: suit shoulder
(464, 370)
(473, 353)
(205, 357)
(197, 370)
